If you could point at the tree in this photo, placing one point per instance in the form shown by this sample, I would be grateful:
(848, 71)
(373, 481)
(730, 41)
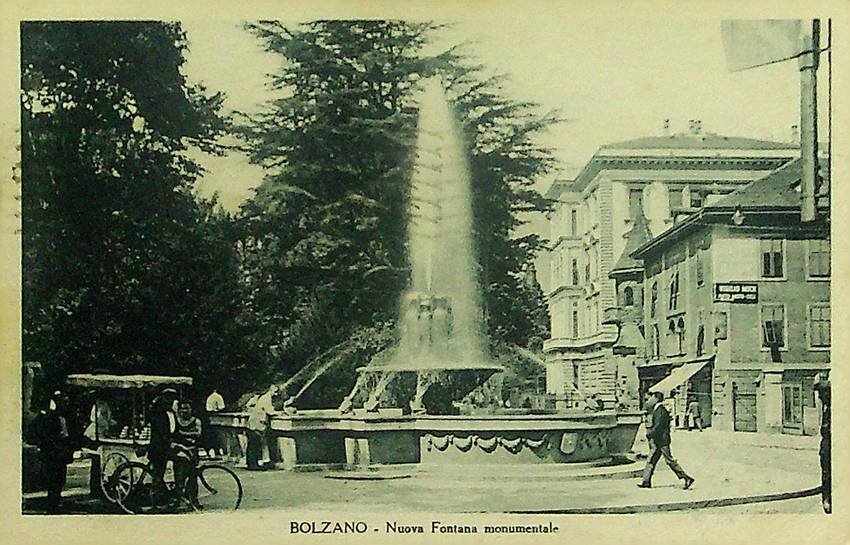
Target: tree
(123, 269)
(327, 229)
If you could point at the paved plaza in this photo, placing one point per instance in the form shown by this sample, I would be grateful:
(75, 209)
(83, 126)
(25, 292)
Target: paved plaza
(734, 468)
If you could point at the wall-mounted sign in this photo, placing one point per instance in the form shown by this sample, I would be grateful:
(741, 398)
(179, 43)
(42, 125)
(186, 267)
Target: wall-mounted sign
(736, 292)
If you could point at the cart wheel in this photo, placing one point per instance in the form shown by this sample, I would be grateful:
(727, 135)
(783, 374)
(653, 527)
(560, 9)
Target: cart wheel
(133, 486)
(218, 488)
(108, 466)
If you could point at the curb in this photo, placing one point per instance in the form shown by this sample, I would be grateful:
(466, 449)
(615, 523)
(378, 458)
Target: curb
(673, 506)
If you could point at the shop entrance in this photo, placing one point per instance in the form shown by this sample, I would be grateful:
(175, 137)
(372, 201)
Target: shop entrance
(792, 409)
(744, 410)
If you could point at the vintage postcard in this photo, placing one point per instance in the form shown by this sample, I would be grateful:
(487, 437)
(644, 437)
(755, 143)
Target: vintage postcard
(390, 272)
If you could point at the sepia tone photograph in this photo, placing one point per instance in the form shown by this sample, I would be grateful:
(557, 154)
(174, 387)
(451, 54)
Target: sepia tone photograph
(404, 266)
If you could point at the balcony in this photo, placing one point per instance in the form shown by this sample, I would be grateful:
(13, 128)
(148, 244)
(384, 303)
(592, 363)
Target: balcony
(605, 336)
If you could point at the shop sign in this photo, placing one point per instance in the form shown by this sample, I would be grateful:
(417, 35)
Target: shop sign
(736, 292)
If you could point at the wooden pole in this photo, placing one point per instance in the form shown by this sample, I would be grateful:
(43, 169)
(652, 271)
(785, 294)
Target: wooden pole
(809, 121)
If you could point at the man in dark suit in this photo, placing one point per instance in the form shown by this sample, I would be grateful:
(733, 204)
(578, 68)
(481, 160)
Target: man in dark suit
(658, 435)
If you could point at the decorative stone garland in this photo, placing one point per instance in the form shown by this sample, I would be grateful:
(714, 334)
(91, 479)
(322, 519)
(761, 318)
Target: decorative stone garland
(464, 444)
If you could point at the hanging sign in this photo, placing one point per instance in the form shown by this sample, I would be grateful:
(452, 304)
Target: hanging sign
(736, 292)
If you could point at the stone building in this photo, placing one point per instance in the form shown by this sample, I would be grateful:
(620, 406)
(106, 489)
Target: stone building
(653, 180)
(737, 308)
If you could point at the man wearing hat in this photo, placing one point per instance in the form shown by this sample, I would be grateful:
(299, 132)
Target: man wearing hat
(50, 431)
(658, 434)
(163, 422)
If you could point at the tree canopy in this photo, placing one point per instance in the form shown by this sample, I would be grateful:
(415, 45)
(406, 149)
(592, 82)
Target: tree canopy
(124, 269)
(327, 228)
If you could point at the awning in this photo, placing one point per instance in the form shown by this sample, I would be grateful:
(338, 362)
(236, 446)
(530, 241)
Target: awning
(679, 376)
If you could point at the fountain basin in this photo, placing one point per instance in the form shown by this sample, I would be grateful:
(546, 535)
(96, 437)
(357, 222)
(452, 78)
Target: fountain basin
(325, 438)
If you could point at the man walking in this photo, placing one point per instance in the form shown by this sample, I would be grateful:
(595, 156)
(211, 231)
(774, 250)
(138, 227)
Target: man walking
(658, 435)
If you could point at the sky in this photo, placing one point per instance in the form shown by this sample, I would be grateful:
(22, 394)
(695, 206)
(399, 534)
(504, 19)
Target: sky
(611, 79)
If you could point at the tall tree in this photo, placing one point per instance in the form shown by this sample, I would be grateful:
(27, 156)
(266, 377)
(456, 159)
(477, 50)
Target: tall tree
(123, 270)
(327, 228)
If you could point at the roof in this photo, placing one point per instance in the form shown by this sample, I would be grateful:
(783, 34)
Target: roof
(635, 238)
(777, 192)
(700, 141)
(125, 381)
(779, 189)
(557, 187)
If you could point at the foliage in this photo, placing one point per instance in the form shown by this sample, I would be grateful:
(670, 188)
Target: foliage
(327, 228)
(124, 270)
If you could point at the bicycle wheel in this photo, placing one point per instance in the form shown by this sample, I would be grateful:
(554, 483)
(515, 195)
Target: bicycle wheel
(134, 488)
(110, 464)
(219, 489)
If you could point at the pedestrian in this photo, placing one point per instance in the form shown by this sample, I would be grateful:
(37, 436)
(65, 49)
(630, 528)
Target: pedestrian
(694, 415)
(187, 435)
(658, 436)
(258, 425)
(824, 390)
(163, 423)
(214, 440)
(50, 433)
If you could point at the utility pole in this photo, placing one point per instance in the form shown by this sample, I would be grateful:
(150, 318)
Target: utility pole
(809, 121)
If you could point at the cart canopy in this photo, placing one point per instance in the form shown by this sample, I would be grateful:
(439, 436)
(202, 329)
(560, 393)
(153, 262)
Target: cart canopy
(125, 381)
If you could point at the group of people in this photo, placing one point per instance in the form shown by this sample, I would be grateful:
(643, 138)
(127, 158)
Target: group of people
(176, 435)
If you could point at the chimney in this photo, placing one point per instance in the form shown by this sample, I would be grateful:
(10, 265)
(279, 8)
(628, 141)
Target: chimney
(695, 127)
(666, 128)
(795, 133)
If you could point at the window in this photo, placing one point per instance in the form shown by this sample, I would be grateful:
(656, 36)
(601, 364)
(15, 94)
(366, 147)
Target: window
(596, 316)
(653, 299)
(574, 271)
(819, 326)
(635, 202)
(697, 199)
(819, 258)
(700, 340)
(773, 325)
(628, 297)
(575, 321)
(680, 335)
(674, 291)
(700, 273)
(771, 258)
(655, 347)
(574, 222)
(675, 196)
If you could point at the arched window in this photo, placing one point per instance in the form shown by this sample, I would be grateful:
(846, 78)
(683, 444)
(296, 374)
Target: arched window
(653, 300)
(656, 341)
(674, 291)
(628, 297)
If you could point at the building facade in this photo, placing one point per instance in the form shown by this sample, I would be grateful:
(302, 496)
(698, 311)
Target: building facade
(737, 309)
(652, 180)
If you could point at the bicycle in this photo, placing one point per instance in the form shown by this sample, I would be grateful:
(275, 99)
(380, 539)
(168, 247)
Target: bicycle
(137, 492)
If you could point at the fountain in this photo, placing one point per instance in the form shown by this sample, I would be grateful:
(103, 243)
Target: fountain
(400, 410)
(441, 346)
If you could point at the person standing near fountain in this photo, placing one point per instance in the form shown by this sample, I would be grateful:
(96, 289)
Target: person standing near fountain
(258, 424)
(658, 435)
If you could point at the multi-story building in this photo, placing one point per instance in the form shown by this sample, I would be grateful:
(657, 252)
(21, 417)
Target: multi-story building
(737, 308)
(652, 180)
